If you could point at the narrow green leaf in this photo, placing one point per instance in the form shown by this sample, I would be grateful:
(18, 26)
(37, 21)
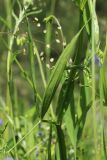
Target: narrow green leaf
(70, 126)
(82, 4)
(49, 143)
(57, 154)
(82, 120)
(104, 146)
(5, 22)
(61, 143)
(57, 73)
(86, 16)
(104, 89)
(95, 22)
(103, 84)
(64, 99)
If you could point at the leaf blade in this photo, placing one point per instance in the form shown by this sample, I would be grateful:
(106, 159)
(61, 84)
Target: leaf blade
(57, 73)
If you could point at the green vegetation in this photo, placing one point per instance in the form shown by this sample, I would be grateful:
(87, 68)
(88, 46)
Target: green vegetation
(53, 95)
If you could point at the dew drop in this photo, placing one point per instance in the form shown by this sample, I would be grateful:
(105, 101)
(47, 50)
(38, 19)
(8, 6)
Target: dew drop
(38, 24)
(44, 31)
(42, 53)
(48, 66)
(64, 44)
(36, 19)
(59, 27)
(51, 59)
(57, 41)
(56, 32)
(24, 51)
(48, 45)
(42, 58)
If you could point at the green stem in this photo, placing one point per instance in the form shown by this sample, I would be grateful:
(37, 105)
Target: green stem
(24, 136)
(10, 41)
(27, 77)
(93, 84)
(33, 149)
(48, 39)
(48, 36)
(40, 65)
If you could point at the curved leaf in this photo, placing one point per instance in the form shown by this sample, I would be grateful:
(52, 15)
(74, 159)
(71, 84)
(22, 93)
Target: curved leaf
(58, 72)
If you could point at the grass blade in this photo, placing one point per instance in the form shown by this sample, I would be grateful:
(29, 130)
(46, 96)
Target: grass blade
(49, 143)
(61, 143)
(70, 126)
(104, 146)
(57, 73)
(64, 98)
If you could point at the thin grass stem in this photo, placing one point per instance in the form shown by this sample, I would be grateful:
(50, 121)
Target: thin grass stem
(94, 84)
(32, 129)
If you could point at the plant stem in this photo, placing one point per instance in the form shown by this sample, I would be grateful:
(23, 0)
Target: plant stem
(8, 6)
(24, 136)
(93, 84)
(48, 42)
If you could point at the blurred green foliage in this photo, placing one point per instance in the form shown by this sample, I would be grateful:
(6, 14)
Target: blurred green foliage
(67, 13)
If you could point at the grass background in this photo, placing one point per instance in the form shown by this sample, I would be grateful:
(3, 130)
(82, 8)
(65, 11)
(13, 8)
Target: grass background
(23, 113)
